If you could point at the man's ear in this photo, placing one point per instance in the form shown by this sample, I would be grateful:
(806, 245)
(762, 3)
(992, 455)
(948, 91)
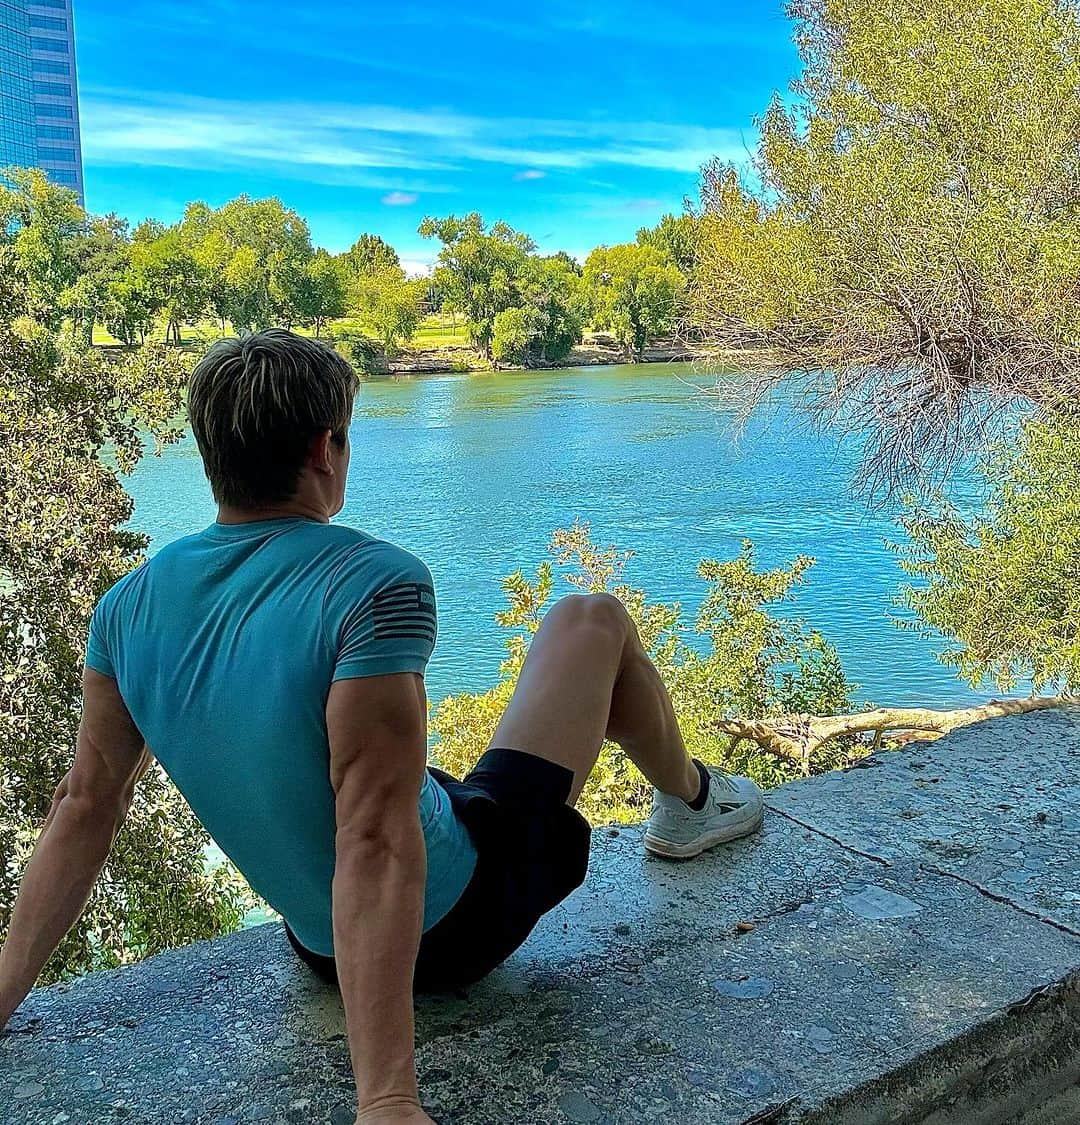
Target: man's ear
(319, 455)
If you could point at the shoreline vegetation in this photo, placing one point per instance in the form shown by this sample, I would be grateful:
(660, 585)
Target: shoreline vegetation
(432, 356)
(595, 350)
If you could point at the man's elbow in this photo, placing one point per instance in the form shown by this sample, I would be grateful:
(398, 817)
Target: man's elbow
(381, 853)
(380, 843)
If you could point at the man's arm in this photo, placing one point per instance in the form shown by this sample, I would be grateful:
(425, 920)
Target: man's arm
(377, 728)
(87, 811)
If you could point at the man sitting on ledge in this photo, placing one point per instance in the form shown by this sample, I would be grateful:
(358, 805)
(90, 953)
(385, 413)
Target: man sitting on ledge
(274, 665)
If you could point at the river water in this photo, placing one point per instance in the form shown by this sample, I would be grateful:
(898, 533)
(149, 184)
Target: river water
(473, 472)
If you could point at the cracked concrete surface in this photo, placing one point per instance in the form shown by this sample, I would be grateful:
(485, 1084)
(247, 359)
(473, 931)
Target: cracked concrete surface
(900, 944)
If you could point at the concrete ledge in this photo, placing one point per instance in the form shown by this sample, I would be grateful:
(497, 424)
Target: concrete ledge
(914, 956)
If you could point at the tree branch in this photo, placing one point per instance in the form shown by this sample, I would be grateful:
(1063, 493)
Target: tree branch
(797, 738)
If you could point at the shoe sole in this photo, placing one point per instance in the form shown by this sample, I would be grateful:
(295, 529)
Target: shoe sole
(667, 849)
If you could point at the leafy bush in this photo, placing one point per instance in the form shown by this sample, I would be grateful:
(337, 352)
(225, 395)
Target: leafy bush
(756, 666)
(358, 348)
(1003, 587)
(67, 414)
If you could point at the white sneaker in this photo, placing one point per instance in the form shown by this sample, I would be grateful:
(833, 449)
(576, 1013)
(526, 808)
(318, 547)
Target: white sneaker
(733, 808)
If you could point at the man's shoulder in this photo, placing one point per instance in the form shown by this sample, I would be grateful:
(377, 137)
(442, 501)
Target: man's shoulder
(126, 582)
(369, 550)
(377, 568)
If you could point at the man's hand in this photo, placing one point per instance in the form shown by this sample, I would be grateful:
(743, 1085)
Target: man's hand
(89, 806)
(410, 1114)
(377, 727)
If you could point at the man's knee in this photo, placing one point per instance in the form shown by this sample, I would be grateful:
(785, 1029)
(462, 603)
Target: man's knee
(602, 611)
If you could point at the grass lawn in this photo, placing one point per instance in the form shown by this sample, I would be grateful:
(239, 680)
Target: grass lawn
(438, 330)
(434, 331)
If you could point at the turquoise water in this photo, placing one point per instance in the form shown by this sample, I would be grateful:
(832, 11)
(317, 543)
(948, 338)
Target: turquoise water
(473, 473)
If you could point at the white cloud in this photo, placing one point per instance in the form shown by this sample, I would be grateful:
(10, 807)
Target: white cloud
(364, 144)
(417, 267)
(400, 198)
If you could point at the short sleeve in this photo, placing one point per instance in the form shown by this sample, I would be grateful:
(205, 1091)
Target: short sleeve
(380, 613)
(98, 655)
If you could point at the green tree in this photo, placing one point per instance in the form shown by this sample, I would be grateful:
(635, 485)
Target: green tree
(634, 291)
(131, 308)
(39, 221)
(480, 270)
(389, 305)
(164, 271)
(67, 416)
(550, 319)
(213, 253)
(513, 334)
(101, 252)
(755, 665)
(909, 244)
(568, 261)
(1003, 585)
(256, 249)
(370, 255)
(676, 237)
(317, 291)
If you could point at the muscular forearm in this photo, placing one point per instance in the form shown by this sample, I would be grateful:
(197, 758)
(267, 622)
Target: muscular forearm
(66, 862)
(378, 918)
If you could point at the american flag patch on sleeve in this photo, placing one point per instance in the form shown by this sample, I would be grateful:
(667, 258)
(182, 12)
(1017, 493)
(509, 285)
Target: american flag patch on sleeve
(404, 610)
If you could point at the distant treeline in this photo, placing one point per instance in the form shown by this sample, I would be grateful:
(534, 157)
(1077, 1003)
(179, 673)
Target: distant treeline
(251, 263)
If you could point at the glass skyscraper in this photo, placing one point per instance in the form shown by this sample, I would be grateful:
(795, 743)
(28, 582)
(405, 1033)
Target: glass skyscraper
(39, 102)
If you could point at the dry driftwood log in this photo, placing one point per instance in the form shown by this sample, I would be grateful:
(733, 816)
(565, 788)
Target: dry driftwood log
(798, 737)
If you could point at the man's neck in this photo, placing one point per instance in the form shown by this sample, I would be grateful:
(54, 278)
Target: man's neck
(294, 509)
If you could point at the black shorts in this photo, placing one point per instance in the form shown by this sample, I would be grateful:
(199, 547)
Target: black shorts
(532, 852)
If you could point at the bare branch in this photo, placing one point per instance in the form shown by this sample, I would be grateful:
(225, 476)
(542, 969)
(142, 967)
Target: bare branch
(797, 738)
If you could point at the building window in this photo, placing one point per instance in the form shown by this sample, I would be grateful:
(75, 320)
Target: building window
(58, 4)
(64, 111)
(55, 133)
(50, 66)
(56, 155)
(56, 46)
(48, 23)
(68, 179)
(53, 90)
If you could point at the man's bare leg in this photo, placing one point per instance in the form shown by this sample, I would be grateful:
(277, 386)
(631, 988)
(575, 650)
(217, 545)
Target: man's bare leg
(586, 679)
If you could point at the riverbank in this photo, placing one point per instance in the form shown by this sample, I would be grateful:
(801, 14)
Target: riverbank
(441, 349)
(596, 350)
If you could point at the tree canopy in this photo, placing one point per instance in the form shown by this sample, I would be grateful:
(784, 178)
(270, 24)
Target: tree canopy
(369, 255)
(388, 304)
(251, 263)
(634, 290)
(255, 250)
(550, 317)
(909, 239)
(479, 270)
(39, 225)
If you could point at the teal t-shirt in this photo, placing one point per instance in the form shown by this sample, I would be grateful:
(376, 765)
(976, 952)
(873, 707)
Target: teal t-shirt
(224, 646)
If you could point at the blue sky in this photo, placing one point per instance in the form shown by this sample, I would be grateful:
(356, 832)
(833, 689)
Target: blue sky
(577, 121)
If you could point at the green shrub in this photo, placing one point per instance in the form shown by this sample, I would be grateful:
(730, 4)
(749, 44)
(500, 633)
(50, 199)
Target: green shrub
(358, 348)
(66, 414)
(1002, 587)
(756, 666)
